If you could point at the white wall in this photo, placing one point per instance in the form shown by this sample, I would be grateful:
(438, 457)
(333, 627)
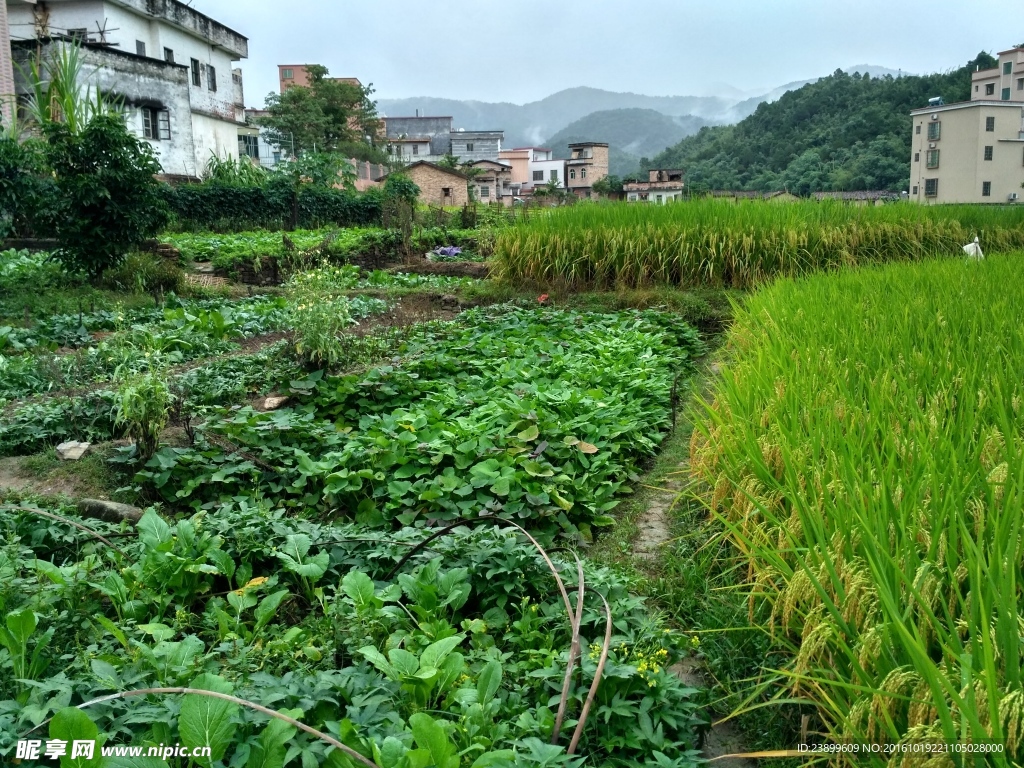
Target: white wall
(546, 166)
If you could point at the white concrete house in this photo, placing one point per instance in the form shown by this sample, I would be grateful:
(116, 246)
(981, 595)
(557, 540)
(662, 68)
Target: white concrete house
(171, 66)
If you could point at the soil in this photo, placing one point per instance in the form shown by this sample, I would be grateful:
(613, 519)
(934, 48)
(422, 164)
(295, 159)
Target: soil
(14, 477)
(654, 530)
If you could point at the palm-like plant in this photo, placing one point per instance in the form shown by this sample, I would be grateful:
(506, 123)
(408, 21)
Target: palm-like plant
(61, 94)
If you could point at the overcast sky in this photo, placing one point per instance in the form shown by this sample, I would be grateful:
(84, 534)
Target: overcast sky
(523, 50)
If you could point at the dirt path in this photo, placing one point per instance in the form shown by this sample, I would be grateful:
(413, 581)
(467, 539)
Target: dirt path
(654, 531)
(14, 476)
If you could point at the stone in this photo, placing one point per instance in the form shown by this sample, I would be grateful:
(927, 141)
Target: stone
(272, 403)
(110, 511)
(72, 450)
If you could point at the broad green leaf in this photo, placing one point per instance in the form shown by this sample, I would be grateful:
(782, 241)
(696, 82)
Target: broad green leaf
(404, 662)
(588, 448)
(206, 721)
(391, 753)
(21, 624)
(431, 736)
(499, 758)
(268, 606)
(270, 751)
(73, 725)
(153, 531)
(359, 587)
(113, 629)
(376, 658)
(135, 762)
(528, 434)
(489, 681)
(435, 653)
(159, 632)
(50, 571)
(501, 488)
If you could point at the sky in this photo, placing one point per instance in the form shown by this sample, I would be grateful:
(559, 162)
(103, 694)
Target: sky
(524, 50)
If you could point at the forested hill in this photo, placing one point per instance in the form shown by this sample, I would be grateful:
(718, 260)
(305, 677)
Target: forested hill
(844, 132)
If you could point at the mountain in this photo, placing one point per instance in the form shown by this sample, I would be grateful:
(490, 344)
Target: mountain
(530, 124)
(842, 132)
(635, 133)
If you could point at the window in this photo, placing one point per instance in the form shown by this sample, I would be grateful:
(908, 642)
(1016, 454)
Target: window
(168, 55)
(917, 157)
(211, 78)
(931, 187)
(986, 189)
(415, 149)
(1006, 94)
(934, 131)
(990, 89)
(990, 124)
(975, 89)
(485, 191)
(988, 153)
(572, 173)
(287, 74)
(554, 175)
(469, 146)
(583, 173)
(933, 158)
(446, 191)
(156, 123)
(1020, 83)
(914, 193)
(1007, 67)
(538, 175)
(196, 78)
(277, 158)
(80, 34)
(249, 146)
(917, 130)
(140, 48)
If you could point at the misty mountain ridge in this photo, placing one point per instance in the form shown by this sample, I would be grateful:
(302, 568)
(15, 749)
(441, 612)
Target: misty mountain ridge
(534, 123)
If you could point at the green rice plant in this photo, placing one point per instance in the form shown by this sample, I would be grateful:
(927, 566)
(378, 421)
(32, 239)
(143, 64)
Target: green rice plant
(740, 245)
(865, 453)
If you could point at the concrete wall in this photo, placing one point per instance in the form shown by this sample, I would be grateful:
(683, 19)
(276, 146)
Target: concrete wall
(139, 83)
(1000, 80)
(437, 128)
(432, 182)
(6, 69)
(962, 169)
(486, 145)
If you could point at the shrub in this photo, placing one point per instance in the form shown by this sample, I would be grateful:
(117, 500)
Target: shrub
(108, 199)
(25, 191)
(143, 408)
(143, 272)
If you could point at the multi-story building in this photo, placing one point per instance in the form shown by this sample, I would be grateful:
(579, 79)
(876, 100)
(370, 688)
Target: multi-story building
(169, 65)
(663, 186)
(290, 75)
(532, 167)
(470, 146)
(973, 151)
(6, 69)
(416, 138)
(587, 163)
(493, 182)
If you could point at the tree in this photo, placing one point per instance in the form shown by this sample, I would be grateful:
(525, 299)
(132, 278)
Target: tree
(609, 185)
(25, 189)
(108, 200)
(327, 116)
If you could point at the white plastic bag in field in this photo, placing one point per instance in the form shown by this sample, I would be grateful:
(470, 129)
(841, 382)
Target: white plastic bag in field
(973, 250)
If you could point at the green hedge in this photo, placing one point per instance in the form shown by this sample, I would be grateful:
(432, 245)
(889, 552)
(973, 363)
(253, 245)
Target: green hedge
(231, 208)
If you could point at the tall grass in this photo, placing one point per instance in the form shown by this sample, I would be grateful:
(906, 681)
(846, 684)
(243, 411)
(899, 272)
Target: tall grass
(718, 243)
(865, 447)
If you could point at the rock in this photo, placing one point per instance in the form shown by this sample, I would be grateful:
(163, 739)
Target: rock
(272, 403)
(450, 301)
(110, 511)
(72, 451)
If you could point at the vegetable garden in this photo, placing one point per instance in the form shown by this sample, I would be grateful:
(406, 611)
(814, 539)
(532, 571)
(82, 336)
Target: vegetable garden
(389, 519)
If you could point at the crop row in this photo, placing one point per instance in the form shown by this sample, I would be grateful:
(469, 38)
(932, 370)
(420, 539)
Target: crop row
(528, 414)
(710, 242)
(226, 251)
(183, 334)
(426, 666)
(864, 451)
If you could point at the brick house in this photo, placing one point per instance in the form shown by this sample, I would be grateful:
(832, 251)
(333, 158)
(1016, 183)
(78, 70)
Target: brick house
(438, 185)
(587, 163)
(494, 183)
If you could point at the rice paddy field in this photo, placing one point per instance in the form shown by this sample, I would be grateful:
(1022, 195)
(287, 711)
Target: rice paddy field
(716, 243)
(863, 453)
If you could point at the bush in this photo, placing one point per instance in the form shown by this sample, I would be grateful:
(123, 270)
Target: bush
(108, 200)
(24, 189)
(145, 273)
(227, 207)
